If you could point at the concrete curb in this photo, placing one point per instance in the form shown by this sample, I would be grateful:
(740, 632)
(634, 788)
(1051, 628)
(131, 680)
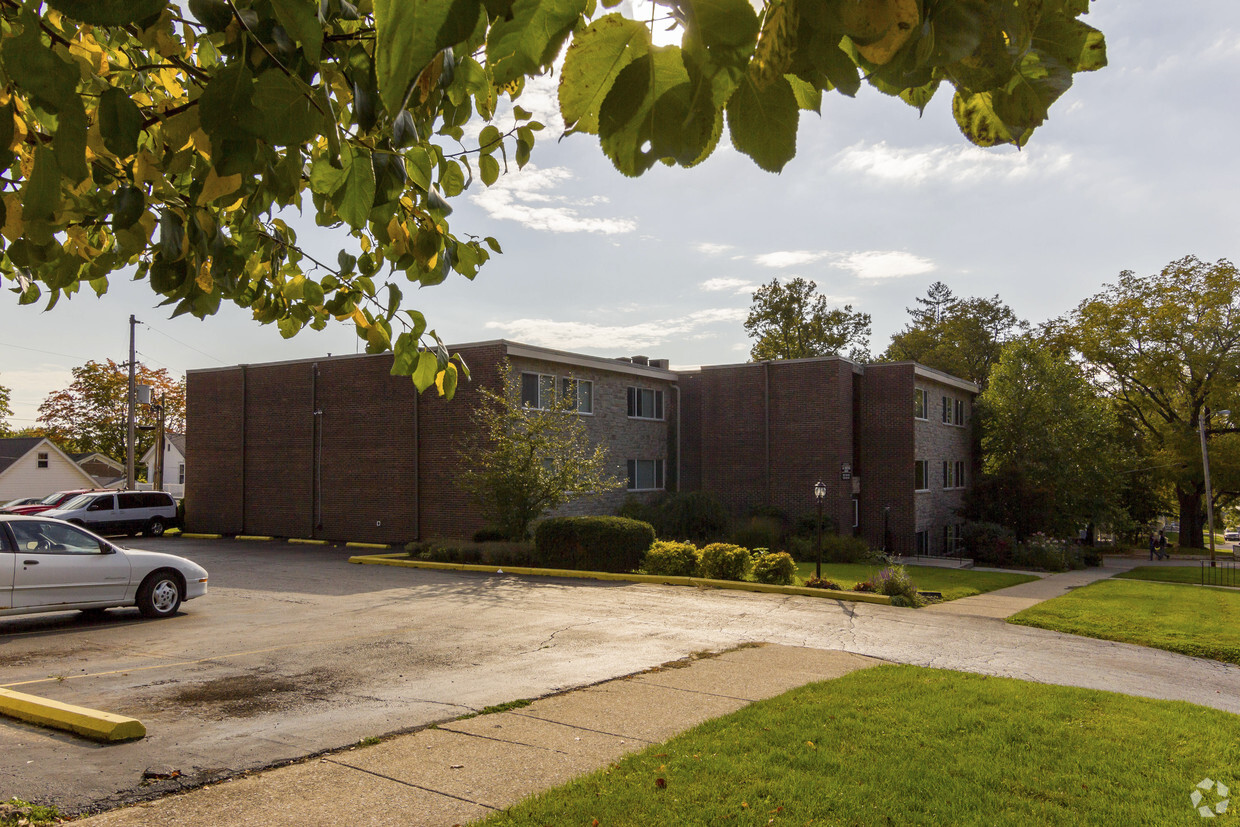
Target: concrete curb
(830, 594)
(367, 545)
(202, 536)
(90, 723)
(305, 542)
(252, 537)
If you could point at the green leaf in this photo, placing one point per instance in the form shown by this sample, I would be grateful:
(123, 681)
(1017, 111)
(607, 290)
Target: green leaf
(41, 196)
(357, 195)
(226, 109)
(409, 33)
(807, 96)
(763, 123)
(1077, 45)
(109, 12)
(598, 54)
(825, 54)
(70, 145)
(451, 179)
(39, 70)
(488, 169)
(727, 23)
(531, 38)
(976, 117)
(424, 373)
(288, 115)
(419, 166)
(120, 122)
(300, 19)
(419, 323)
(127, 207)
(488, 139)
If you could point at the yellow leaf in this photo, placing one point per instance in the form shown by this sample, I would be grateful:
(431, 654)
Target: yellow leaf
(204, 281)
(13, 224)
(201, 143)
(359, 318)
(216, 187)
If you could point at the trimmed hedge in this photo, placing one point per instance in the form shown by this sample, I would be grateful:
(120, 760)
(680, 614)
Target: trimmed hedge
(615, 544)
(776, 567)
(724, 561)
(671, 559)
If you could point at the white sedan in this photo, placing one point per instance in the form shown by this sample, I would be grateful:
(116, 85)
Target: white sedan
(51, 566)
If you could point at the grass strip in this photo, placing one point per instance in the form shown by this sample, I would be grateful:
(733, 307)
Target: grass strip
(1180, 574)
(1203, 623)
(908, 745)
(953, 583)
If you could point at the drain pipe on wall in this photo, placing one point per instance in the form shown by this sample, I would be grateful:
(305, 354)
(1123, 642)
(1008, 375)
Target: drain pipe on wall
(766, 428)
(316, 450)
(679, 486)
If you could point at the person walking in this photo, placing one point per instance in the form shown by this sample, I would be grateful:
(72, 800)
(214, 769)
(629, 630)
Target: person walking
(1163, 554)
(1153, 544)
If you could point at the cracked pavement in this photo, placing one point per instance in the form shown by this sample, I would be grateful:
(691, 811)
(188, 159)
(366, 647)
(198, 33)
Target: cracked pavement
(296, 652)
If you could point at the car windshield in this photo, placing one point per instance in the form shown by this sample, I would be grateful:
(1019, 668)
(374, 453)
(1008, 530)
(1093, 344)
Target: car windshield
(50, 499)
(80, 501)
(18, 501)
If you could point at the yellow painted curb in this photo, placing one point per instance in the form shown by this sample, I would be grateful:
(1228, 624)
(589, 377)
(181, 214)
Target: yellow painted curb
(367, 545)
(668, 580)
(252, 537)
(307, 542)
(91, 723)
(203, 536)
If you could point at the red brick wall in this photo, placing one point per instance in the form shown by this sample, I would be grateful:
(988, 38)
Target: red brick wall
(279, 449)
(213, 494)
(885, 458)
(690, 434)
(732, 426)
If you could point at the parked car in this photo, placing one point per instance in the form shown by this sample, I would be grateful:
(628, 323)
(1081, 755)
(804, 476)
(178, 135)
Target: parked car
(1232, 535)
(4, 509)
(53, 501)
(120, 512)
(48, 565)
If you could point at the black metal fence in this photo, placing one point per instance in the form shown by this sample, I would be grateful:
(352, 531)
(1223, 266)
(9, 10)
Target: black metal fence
(1222, 573)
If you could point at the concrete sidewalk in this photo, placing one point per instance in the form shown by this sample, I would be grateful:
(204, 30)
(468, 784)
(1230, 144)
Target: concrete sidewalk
(464, 770)
(1003, 603)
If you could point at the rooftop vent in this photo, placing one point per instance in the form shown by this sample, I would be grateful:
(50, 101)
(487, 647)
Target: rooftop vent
(660, 363)
(639, 360)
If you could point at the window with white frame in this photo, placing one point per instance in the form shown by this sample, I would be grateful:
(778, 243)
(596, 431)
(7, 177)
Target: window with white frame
(952, 535)
(42, 459)
(537, 390)
(645, 475)
(959, 411)
(921, 475)
(947, 409)
(921, 404)
(645, 403)
(856, 511)
(580, 393)
(181, 474)
(959, 475)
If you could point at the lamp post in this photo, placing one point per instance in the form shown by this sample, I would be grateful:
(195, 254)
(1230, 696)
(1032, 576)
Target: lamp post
(1205, 467)
(820, 493)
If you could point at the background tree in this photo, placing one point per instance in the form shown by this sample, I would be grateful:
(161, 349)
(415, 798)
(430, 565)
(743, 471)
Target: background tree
(791, 321)
(1051, 445)
(169, 137)
(5, 412)
(1166, 349)
(92, 413)
(522, 462)
(963, 337)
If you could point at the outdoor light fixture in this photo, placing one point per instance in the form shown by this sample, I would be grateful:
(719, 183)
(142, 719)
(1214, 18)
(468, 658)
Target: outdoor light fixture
(820, 493)
(1205, 467)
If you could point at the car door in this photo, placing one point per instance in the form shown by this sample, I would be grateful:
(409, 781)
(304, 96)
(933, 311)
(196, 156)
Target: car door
(101, 515)
(6, 570)
(59, 564)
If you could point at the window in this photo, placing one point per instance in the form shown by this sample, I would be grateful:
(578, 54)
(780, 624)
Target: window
(947, 409)
(959, 411)
(959, 480)
(537, 390)
(921, 475)
(181, 474)
(53, 538)
(41, 459)
(645, 403)
(645, 475)
(921, 404)
(856, 511)
(580, 392)
(923, 544)
(951, 538)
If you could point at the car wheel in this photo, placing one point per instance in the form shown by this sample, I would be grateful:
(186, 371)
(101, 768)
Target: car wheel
(160, 594)
(155, 528)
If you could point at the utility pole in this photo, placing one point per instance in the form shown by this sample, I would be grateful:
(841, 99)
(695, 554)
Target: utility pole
(129, 434)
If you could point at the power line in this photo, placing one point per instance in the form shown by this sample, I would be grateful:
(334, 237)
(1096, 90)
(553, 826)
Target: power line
(36, 350)
(182, 344)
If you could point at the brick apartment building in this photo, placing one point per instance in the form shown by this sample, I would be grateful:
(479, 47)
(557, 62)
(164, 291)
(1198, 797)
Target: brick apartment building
(337, 448)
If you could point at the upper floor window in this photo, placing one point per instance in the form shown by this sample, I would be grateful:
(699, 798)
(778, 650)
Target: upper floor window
(41, 459)
(959, 411)
(645, 403)
(537, 390)
(921, 475)
(921, 404)
(580, 393)
(947, 409)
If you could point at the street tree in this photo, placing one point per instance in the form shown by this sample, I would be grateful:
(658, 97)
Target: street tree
(963, 337)
(170, 139)
(1052, 448)
(1166, 349)
(522, 461)
(5, 411)
(91, 414)
(792, 321)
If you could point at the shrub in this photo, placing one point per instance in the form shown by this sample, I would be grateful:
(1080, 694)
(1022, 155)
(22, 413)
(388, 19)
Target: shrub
(490, 534)
(671, 559)
(807, 526)
(1041, 552)
(614, 544)
(836, 548)
(775, 567)
(988, 543)
(724, 561)
(894, 582)
(759, 532)
(636, 509)
(693, 515)
(485, 553)
(822, 583)
(863, 586)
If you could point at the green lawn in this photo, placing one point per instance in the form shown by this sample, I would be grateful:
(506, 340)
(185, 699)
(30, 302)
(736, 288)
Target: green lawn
(1178, 574)
(953, 583)
(1204, 623)
(907, 745)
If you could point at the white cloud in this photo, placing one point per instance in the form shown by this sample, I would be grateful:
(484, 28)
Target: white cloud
(587, 335)
(529, 197)
(740, 287)
(709, 249)
(875, 264)
(958, 164)
(790, 258)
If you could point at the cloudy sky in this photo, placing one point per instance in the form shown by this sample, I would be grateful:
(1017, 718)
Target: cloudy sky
(1137, 167)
